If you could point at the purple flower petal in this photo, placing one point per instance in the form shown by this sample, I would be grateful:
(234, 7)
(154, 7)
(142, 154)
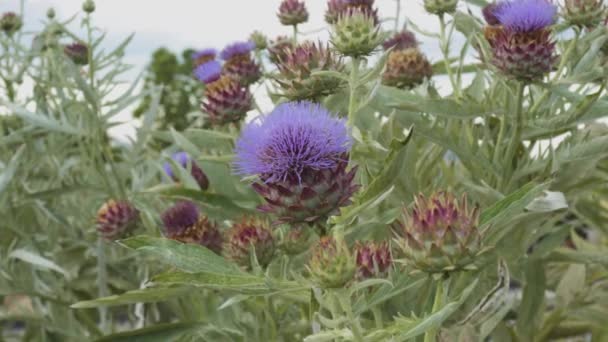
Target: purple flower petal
(208, 72)
(235, 49)
(526, 15)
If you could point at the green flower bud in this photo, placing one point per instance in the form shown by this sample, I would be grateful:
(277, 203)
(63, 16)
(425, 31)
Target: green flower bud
(10, 23)
(88, 6)
(584, 13)
(356, 34)
(50, 13)
(331, 264)
(259, 39)
(440, 7)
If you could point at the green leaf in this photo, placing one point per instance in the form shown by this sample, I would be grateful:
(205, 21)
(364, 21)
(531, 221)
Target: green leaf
(146, 295)
(533, 298)
(550, 201)
(45, 121)
(160, 333)
(9, 171)
(571, 284)
(186, 257)
(582, 257)
(512, 204)
(37, 260)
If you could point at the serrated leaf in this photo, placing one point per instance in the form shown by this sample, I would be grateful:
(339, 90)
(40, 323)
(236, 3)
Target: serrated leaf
(37, 260)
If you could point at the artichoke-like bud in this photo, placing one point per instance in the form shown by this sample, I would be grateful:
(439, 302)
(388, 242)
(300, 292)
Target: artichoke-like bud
(336, 8)
(439, 7)
(10, 22)
(116, 219)
(296, 241)
(292, 12)
(239, 64)
(88, 6)
(50, 13)
(521, 44)
(440, 234)
(183, 159)
(584, 13)
(331, 264)
(78, 52)
(373, 259)
(296, 72)
(247, 236)
(259, 39)
(406, 69)
(203, 56)
(300, 154)
(184, 223)
(277, 51)
(401, 41)
(356, 34)
(226, 101)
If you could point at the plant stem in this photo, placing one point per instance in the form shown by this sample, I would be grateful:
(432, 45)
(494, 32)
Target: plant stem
(102, 282)
(354, 82)
(516, 137)
(377, 317)
(295, 34)
(397, 14)
(445, 49)
(431, 335)
(353, 321)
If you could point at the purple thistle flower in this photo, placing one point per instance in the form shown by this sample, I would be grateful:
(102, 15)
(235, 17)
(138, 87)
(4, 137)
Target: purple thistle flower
(180, 217)
(208, 72)
(295, 137)
(526, 15)
(210, 53)
(236, 49)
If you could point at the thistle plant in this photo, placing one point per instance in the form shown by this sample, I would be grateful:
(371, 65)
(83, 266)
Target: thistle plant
(367, 188)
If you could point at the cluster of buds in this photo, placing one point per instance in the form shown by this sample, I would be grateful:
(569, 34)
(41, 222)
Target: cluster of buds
(184, 160)
(356, 33)
(373, 259)
(440, 234)
(440, 7)
(184, 223)
(296, 76)
(250, 237)
(77, 52)
(278, 49)
(331, 264)
(407, 66)
(299, 152)
(239, 64)
(116, 219)
(338, 8)
(292, 12)
(10, 23)
(584, 13)
(519, 36)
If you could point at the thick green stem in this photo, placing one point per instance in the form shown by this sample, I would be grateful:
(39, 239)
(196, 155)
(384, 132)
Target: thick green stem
(353, 321)
(354, 83)
(295, 34)
(445, 50)
(102, 282)
(516, 137)
(397, 14)
(431, 335)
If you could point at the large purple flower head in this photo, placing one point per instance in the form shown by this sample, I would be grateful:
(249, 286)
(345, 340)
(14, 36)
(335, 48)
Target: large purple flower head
(208, 72)
(526, 15)
(295, 137)
(209, 54)
(237, 49)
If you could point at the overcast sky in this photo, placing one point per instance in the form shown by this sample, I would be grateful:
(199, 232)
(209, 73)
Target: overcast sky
(178, 24)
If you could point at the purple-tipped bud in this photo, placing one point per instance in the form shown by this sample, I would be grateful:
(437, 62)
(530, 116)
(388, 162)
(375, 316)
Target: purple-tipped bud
(406, 69)
(489, 13)
(183, 159)
(203, 56)
(237, 49)
(239, 64)
(78, 52)
(526, 15)
(296, 72)
(401, 41)
(331, 265)
(247, 236)
(184, 223)
(208, 72)
(116, 219)
(373, 259)
(10, 23)
(226, 101)
(300, 153)
(292, 12)
(278, 49)
(440, 234)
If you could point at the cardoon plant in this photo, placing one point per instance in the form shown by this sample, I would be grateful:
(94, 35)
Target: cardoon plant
(203, 56)
(183, 222)
(300, 154)
(116, 219)
(584, 13)
(292, 12)
(239, 64)
(248, 238)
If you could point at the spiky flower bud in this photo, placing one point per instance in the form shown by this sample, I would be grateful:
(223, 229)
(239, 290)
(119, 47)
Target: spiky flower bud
(10, 22)
(584, 13)
(300, 154)
(521, 44)
(406, 69)
(373, 259)
(296, 72)
(247, 236)
(277, 51)
(239, 64)
(331, 264)
(259, 39)
(401, 41)
(355, 34)
(292, 12)
(296, 241)
(226, 101)
(440, 234)
(336, 8)
(183, 159)
(203, 56)
(116, 219)
(439, 7)
(88, 6)
(78, 52)
(184, 223)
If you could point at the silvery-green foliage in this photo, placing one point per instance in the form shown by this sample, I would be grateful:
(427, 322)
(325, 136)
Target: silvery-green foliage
(533, 156)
